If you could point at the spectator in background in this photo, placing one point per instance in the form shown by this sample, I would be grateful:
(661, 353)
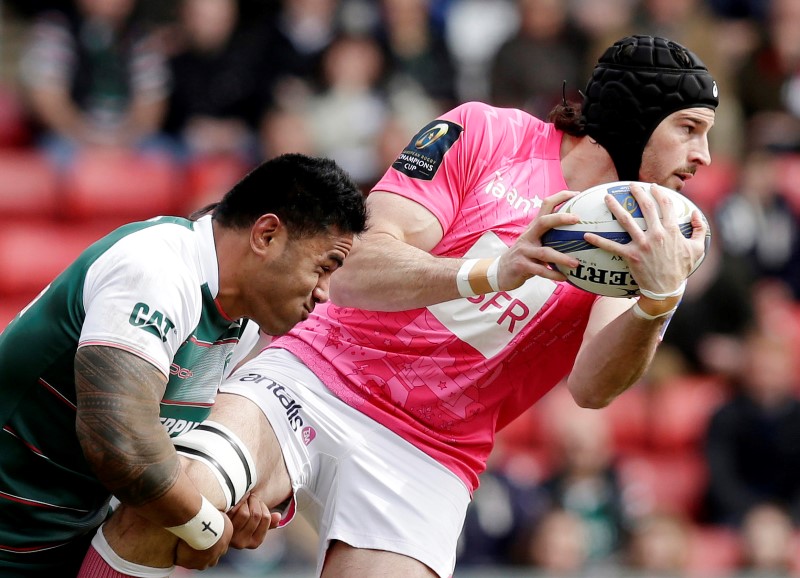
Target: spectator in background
(755, 10)
(294, 40)
(659, 546)
(756, 222)
(530, 68)
(217, 69)
(501, 511)
(705, 334)
(416, 51)
(585, 480)
(558, 544)
(349, 113)
(285, 129)
(753, 440)
(602, 22)
(768, 80)
(94, 78)
(767, 544)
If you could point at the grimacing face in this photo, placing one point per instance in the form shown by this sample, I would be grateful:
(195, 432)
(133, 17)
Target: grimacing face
(677, 147)
(296, 279)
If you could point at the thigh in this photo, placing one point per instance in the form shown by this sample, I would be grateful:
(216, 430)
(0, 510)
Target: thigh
(356, 482)
(344, 561)
(245, 419)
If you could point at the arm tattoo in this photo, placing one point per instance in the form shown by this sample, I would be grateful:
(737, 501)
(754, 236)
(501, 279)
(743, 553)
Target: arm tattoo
(118, 424)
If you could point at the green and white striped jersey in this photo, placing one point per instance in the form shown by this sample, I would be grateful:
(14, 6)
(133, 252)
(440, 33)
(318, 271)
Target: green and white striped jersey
(148, 288)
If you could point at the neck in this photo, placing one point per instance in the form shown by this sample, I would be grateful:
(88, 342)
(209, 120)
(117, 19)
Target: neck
(585, 163)
(230, 252)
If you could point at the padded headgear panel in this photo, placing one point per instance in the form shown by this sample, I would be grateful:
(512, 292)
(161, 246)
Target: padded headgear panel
(637, 83)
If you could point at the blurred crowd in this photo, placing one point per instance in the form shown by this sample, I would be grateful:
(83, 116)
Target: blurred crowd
(696, 470)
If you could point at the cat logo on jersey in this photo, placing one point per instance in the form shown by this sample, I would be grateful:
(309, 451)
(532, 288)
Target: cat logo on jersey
(156, 322)
(425, 153)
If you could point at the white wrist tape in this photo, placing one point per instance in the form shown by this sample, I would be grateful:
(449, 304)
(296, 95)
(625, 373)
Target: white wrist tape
(478, 277)
(462, 279)
(225, 455)
(662, 296)
(491, 274)
(204, 530)
(641, 314)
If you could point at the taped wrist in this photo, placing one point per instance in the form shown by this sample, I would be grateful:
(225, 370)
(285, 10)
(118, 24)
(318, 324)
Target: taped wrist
(478, 277)
(641, 314)
(204, 529)
(662, 296)
(225, 455)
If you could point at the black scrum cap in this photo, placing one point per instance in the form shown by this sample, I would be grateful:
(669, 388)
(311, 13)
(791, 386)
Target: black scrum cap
(637, 83)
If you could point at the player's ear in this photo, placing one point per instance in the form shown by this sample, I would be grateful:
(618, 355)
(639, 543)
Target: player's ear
(264, 232)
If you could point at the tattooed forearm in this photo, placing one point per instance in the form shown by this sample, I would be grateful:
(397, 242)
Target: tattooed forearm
(118, 426)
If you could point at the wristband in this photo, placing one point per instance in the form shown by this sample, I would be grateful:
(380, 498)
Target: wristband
(662, 296)
(478, 277)
(641, 314)
(204, 530)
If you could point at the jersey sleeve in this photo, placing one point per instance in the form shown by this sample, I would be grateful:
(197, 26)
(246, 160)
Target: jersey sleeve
(441, 164)
(140, 297)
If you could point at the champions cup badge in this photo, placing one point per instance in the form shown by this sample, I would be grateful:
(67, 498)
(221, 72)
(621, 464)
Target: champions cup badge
(431, 135)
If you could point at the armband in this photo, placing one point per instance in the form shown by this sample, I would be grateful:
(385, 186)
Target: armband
(204, 530)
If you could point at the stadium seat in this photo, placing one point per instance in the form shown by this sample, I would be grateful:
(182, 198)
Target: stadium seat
(714, 552)
(628, 418)
(32, 254)
(208, 178)
(672, 482)
(118, 186)
(28, 185)
(679, 410)
(14, 129)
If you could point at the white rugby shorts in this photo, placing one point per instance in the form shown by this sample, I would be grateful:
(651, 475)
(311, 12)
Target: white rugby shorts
(353, 479)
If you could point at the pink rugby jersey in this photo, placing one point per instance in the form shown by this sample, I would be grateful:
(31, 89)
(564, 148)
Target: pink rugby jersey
(447, 376)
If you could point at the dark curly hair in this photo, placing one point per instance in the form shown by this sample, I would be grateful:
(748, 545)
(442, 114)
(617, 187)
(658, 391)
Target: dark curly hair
(311, 195)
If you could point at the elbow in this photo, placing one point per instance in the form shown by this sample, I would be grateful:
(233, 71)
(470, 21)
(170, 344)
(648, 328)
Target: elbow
(591, 401)
(589, 396)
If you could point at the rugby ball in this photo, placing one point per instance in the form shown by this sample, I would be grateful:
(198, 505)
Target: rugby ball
(599, 271)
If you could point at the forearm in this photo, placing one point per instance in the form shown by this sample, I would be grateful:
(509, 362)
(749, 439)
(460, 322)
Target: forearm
(145, 117)
(136, 535)
(56, 111)
(391, 268)
(386, 274)
(122, 438)
(617, 356)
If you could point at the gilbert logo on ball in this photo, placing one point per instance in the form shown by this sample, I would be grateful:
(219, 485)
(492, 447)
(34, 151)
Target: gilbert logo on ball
(599, 271)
